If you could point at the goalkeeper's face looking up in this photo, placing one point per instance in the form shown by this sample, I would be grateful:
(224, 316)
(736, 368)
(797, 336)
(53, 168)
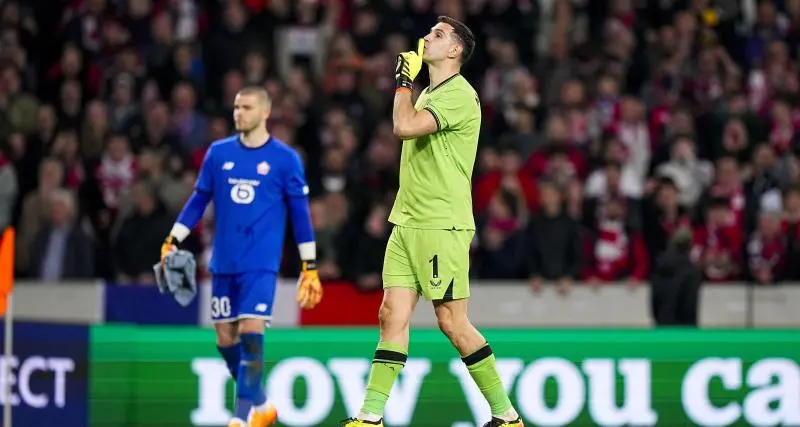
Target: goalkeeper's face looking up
(251, 110)
(449, 40)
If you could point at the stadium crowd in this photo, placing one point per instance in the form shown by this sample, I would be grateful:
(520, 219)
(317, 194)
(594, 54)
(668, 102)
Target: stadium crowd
(607, 126)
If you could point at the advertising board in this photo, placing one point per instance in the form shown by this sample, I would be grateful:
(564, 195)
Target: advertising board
(144, 376)
(48, 374)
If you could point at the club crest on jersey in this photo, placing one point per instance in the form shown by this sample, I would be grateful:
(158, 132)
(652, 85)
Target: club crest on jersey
(263, 168)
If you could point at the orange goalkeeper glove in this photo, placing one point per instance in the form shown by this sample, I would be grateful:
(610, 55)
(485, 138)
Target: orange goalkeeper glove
(167, 247)
(309, 288)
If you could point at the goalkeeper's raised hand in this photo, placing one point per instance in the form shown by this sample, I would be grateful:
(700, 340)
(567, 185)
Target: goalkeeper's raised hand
(309, 288)
(408, 66)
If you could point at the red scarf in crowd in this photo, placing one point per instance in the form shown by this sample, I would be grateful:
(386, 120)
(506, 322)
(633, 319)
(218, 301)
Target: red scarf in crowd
(611, 251)
(115, 177)
(724, 244)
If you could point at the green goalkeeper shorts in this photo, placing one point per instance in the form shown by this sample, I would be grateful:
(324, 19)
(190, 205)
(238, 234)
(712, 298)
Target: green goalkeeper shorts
(434, 263)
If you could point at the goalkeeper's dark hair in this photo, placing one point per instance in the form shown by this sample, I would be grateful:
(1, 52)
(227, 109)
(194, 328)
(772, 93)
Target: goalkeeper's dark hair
(463, 35)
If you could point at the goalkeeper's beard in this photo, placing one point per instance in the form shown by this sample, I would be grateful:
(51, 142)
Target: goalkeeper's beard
(248, 130)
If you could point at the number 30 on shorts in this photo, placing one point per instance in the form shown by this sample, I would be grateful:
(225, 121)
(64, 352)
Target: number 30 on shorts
(220, 307)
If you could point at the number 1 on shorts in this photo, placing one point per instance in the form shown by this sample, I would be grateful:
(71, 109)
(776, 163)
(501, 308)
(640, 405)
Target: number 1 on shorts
(435, 266)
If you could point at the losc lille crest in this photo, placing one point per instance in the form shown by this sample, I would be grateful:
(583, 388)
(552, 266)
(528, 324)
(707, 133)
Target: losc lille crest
(263, 168)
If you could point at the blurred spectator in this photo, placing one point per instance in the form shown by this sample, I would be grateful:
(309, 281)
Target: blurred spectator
(66, 148)
(8, 190)
(727, 186)
(70, 104)
(766, 249)
(61, 249)
(605, 108)
(116, 171)
(187, 123)
(632, 131)
(763, 180)
(577, 111)
(627, 184)
(553, 242)
(612, 190)
(326, 241)
(675, 295)
(690, 174)
(507, 176)
(791, 206)
(36, 212)
(173, 188)
(783, 126)
(217, 129)
(46, 127)
(95, 130)
(614, 251)
(662, 216)
(154, 131)
(519, 112)
(735, 142)
(344, 59)
(18, 107)
(378, 169)
(557, 159)
(500, 245)
(141, 232)
(370, 246)
(718, 243)
(341, 229)
(623, 107)
(227, 46)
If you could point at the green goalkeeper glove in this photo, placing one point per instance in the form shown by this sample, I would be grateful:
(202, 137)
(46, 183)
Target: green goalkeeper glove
(408, 66)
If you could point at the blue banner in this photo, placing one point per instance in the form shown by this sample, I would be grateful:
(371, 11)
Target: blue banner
(145, 305)
(49, 374)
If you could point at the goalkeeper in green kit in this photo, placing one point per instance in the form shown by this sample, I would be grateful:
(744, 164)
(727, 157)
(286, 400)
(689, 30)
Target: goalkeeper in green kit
(428, 251)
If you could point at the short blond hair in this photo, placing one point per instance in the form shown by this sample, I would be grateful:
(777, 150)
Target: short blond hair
(257, 91)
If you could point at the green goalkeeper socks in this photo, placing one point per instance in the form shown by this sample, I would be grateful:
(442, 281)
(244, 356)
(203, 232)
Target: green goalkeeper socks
(386, 366)
(481, 366)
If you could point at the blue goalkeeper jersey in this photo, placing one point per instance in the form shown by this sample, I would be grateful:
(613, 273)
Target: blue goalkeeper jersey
(251, 189)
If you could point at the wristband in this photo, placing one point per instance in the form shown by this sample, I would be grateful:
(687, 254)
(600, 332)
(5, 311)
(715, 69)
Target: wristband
(404, 83)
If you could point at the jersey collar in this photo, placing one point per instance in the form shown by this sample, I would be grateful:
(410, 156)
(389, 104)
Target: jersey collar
(431, 89)
(239, 140)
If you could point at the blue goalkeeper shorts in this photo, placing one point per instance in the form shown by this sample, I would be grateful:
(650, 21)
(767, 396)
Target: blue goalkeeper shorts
(248, 295)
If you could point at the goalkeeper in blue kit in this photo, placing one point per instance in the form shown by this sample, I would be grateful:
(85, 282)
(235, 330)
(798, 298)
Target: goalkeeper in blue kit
(253, 180)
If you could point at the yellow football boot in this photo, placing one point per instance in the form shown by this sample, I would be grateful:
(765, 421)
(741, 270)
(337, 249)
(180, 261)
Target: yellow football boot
(354, 422)
(237, 422)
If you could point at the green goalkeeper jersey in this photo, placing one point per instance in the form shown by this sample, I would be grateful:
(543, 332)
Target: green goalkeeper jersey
(436, 169)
